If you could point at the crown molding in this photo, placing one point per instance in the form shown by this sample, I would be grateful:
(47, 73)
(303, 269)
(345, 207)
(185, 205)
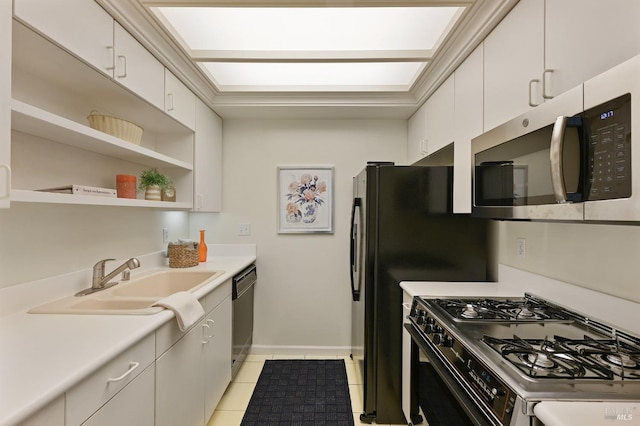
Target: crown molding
(477, 21)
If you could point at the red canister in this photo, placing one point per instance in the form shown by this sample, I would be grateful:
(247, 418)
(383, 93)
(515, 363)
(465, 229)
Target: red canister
(126, 186)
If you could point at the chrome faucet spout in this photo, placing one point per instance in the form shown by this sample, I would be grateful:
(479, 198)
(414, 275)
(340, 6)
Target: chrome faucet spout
(100, 281)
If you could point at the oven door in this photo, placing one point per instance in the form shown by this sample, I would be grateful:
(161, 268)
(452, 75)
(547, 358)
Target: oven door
(443, 400)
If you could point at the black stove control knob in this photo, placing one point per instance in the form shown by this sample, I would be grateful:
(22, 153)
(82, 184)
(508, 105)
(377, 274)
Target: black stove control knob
(442, 339)
(437, 329)
(420, 317)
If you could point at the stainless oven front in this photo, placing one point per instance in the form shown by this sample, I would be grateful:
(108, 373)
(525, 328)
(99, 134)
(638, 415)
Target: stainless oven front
(443, 397)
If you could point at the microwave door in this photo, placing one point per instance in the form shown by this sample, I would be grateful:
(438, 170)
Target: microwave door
(512, 177)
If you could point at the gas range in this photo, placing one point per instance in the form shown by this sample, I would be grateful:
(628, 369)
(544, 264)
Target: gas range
(507, 354)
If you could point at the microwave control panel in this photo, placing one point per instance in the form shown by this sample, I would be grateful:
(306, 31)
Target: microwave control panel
(609, 149)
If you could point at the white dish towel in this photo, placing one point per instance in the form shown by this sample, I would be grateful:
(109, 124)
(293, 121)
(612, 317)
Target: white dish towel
(185, 306)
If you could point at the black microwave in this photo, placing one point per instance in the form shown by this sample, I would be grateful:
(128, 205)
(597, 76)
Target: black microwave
(552, 161)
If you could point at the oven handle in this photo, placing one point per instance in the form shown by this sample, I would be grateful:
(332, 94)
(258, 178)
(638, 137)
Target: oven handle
(476, 414)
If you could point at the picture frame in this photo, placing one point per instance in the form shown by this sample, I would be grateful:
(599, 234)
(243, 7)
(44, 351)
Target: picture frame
(305, 199)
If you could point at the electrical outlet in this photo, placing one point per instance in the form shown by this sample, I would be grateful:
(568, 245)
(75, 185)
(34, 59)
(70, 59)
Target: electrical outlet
(165, 235)
(244, 229)
(521, 247)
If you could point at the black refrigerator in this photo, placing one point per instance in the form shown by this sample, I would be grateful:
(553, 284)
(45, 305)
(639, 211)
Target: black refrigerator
(403, 229)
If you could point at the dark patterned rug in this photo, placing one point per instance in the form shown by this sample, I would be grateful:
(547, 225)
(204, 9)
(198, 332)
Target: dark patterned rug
(300, 392)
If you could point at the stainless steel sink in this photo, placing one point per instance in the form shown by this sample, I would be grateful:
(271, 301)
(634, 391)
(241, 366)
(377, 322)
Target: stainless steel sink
(134, 297)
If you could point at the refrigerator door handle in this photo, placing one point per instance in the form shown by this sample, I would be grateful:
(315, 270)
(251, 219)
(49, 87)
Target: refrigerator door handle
(355, 293)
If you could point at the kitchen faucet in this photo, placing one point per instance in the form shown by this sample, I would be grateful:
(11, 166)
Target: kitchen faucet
(100, 281)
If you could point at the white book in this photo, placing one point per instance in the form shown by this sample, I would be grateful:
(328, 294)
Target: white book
(83, 190)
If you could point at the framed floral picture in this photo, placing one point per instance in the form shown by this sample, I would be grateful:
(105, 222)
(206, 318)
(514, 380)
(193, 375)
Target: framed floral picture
(305, 199)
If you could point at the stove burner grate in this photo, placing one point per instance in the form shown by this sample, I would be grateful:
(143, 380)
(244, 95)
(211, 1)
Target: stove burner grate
(570, 358)
(508, 310)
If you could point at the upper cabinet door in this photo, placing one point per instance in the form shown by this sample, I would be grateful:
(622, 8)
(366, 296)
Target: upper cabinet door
(468, 119)
(179, 101)
(417, 135)
(440, 117)
(207, 160)
(137, 69)
(80, 26)
(513, 64)
(579, 47)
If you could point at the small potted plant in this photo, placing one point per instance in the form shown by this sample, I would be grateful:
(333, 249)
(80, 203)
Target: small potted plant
(153, 183)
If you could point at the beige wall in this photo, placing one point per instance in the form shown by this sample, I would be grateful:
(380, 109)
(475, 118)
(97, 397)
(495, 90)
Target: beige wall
(42, 240)
(605, 258)
(303, 296)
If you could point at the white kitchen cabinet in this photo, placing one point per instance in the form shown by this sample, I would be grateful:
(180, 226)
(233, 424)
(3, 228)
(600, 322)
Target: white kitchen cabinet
(207, 160)
(82, 27)
(52, 144)
(417, 135)
(440, 117)
(51, 415)
(193, 368)
(180, 382)
(5, 108)
(132, 406)
(217, 355)
(514, 63)
(93, 392)
(179, 101)
(468, 123)
(137, 69)
(584, 38)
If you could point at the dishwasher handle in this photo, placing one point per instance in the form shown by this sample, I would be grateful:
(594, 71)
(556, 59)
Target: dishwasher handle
(244, 281)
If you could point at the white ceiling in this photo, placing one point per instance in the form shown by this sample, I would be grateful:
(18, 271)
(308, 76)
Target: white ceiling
(313, 58)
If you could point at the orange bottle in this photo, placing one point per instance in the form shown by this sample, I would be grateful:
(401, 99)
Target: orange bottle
(202, 247)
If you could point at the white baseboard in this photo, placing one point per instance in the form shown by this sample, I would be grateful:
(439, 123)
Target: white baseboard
(341, 351)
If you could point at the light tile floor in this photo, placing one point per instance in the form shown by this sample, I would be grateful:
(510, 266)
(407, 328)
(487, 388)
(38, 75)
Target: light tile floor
(231, 408)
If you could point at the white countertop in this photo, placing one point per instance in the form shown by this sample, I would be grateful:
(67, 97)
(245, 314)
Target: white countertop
(623, 314)
(43, 356)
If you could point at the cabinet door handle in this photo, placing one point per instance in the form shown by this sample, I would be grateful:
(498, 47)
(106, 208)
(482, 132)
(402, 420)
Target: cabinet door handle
(169, 101)
(7, 186)
(132, 366)
(205, 338)
(111, 50)
(544, 84)
(407, 306)
(531, 104)
(211, 323)
(124, 66)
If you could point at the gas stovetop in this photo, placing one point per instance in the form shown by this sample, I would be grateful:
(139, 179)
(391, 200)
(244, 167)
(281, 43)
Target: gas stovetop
(538, 349)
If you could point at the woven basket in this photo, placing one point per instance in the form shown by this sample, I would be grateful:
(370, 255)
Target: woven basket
(115, 127)
(181, 256)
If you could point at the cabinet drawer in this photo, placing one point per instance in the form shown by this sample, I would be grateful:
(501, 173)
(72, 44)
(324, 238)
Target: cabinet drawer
(133, 406)
(93, 392)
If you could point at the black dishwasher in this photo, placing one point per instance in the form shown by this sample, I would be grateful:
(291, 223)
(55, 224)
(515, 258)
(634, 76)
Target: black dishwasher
(242, 297)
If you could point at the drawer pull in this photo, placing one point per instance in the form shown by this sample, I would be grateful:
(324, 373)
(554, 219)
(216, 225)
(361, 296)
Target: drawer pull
(132, 366)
